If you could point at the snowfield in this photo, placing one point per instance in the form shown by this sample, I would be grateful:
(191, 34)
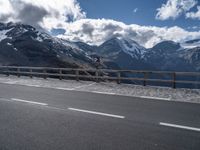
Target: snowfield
(148, 92)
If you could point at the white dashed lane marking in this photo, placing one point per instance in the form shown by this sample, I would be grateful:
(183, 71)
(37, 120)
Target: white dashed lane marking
(179, 126)
(30, 102)
(97, 113)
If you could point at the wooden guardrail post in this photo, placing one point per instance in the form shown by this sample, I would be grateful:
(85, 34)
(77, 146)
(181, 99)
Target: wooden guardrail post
(44, 71)
(97, 75)
(174, 80)
(7, 71)
(18, 72)
(118, 77)
(60, 73)
(31, 75)
(145, 78)
(77, 75)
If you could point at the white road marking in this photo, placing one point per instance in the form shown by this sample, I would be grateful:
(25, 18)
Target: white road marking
(10, 82)
(32, 85)
(30, 102)
(108, 93)
(179, 126)
(97, 113)
(157, 98)
(84, 86)
(66, 89)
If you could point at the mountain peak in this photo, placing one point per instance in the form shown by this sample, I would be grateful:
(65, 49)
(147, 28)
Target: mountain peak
(117, 45)
(10, 25)
(122, 40)
(168, 42)
(167, 46)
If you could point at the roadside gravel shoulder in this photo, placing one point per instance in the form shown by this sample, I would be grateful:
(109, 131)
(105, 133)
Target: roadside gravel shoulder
(154, 92)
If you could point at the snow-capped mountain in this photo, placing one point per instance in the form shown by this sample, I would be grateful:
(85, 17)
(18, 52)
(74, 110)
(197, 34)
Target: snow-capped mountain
(122, 53)
(167, 56)
(122, 45)
(192, 57)
(24, 45)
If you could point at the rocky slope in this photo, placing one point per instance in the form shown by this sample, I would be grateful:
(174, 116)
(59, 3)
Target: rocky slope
(24, 45)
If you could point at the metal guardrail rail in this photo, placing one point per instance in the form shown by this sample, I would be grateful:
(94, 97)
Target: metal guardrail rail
(99, 75)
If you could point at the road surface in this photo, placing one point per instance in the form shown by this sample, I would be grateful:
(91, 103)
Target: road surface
(34, 118)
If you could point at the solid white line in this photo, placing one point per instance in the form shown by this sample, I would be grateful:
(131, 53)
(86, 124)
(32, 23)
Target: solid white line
(66, 89)
(107, 93)
(10, 82)
(30, 102)
(84, 86)
(179, 126)
(157, 98)
(97, 113)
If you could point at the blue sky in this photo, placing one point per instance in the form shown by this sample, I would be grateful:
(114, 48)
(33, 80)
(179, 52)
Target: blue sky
(123, 10)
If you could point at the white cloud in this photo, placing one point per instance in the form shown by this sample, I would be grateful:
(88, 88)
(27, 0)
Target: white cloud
(96, 31)
(194, 28)
(135, 10)
(194, 15)
(174, 8)
(68, 15)
(46, 14)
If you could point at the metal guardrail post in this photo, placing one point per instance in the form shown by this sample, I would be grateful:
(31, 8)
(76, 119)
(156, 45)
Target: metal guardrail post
(174, 80)
(119, 77)
(77, 75)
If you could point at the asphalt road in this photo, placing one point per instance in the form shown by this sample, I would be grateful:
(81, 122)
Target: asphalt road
(48, 119)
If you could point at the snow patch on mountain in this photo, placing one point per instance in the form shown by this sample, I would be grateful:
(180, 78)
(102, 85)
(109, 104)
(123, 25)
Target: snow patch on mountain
(191, 44)
(9, 44)
(68, 44)
(132, 48)
(3, 34)
(16, 49)
(21, 31)
(74, 47)
(41, 36)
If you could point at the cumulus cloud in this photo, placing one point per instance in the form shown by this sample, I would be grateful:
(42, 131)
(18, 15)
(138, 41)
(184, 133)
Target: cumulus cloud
(174, 8)
(47, 14)
(194, 15)
(65, 17)
(97, 31)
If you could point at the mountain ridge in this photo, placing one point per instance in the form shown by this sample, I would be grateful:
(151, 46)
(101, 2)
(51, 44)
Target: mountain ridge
(24, 45)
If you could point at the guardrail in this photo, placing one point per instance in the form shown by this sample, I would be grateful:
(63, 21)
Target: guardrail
(98, 75)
